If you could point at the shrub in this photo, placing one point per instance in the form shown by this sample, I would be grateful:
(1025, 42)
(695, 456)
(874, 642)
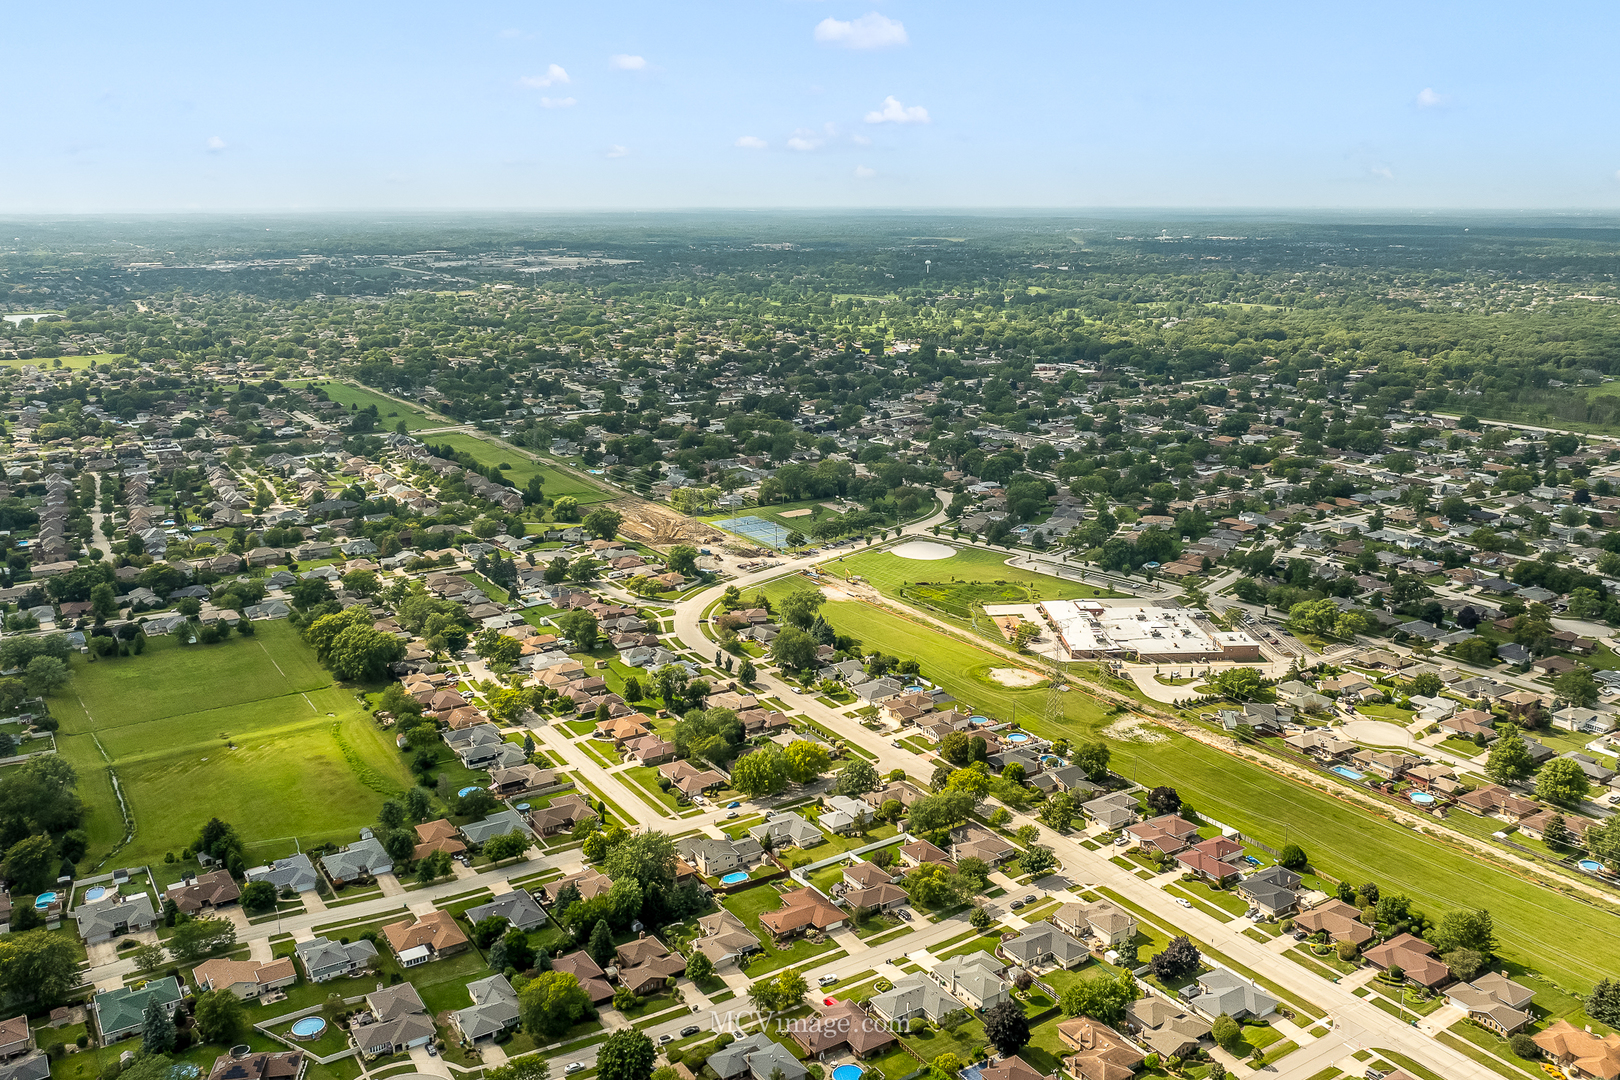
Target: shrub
(1524, 1046)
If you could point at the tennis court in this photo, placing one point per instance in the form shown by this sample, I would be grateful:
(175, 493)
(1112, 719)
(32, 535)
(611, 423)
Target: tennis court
(756, 529)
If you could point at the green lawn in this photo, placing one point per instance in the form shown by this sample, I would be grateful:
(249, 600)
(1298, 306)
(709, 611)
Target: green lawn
(389, 411)
(747, 905)
(252, 731)
(948, 582)
(554, 481)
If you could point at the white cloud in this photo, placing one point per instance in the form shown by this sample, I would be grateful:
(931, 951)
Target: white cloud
(554, 74)
(1428, 99)
(801, 142)
(557, 103)
(215, 144)
(616, 151)
(1383, 172)
(871, 31)
(626, 62)
(863, 173)
(751, 142)
(860, 140)
(895, 113)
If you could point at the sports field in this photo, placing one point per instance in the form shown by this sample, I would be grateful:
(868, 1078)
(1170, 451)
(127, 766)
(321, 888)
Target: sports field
(1568, 941)
(251, 730)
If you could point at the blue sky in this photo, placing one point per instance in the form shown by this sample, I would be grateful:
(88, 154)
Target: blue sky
(812, 103)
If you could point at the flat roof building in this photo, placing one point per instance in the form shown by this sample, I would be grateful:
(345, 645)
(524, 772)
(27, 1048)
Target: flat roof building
(1089, 630)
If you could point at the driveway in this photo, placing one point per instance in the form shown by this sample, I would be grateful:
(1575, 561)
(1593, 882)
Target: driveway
(431, 1064)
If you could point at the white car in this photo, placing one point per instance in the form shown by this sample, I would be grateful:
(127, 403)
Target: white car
(1184, 902)
(826, 980)
(574, 1067)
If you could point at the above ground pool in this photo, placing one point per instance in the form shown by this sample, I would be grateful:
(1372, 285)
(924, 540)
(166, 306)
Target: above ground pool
(1422, 798)
(1591, 866)
(979, 719)
(464, 792)
(847, 1072)
(522, 806)
(734, 877)
(1018, 736)
(310, 1027)
(44, 900)
(94, 893)
(1348, 773)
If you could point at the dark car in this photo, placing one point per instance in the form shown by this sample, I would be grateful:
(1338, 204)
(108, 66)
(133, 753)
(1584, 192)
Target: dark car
(692, 1029)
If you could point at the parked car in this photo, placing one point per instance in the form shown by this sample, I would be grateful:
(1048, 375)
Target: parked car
(689, 1030)
(732, 805)
(574, 1067)
(1030, 899)
(666, 1037)
(1016, 904)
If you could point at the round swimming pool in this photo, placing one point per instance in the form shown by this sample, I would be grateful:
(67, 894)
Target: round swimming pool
(979, 719)
(847, 1072)
(1422, 798)
(94, 893)
(521, 807)
(1591, 866)
(44, 900)
(734, 877)
(310, 1027)
(1018, 736)
(464, 792)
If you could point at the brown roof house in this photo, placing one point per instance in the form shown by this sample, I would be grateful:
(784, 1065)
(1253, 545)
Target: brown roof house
(590, 974)
(1414, 956)
(1100, 1052)
(646, 965)
(1580, 1053)
(437, 835)
(246, 979)
(1341, 922)
(428, 938)
(801, 910)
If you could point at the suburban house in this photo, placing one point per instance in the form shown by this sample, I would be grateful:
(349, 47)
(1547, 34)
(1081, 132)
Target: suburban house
(286, 1065)
(119, 1013)
(497, 824)
(1104, 920)
(1580, 1053)
(19, 1059)
(1494, 1001)
(118, 914)
(973, 978)
(1493, 800)
(880, 897)
(977, 842)
(919, 852)
(563, 812)
(724, 938)
(494, 1009)
(1011, 1068)
(1414, 956)
(247, 979)
(756, 1056)
(1100, 1052)
(1165, 1028)
(646, 965)
(517, 907)
(324, 959)
(1166, 834)
(840, 1024)
(592, 979)
(688, 779)
(1274, 890)
(397, 1021)
(295, 872)
(912, 997)
(897, 790)
(1340, 921)
(211, 890)
(1221, 991)
(425, 939)
(359, 861)
(16, 1039)
(1214, 860)
(437, 835)
(787, 830)
(844, 814)
(589, 883)
(802, 909)
(1113, 811)
(1042, 946)
(716, 858)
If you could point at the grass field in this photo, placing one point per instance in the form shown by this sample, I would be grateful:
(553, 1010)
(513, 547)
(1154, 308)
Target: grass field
(889, 574)
(252, 731)
(555, 482)
(389, 411)
(1569, 941)
(73, 363)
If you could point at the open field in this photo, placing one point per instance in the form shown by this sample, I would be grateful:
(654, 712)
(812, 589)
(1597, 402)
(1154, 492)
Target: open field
(889, 573)
(389, 411)
(555, 482)
(1571, 942)
(72, 363)
(251, 731)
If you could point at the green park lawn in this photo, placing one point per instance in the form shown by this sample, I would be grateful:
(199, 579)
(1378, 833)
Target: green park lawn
(1567, 940)
(251, 730)
(959, 579)
(554, 481)
(389, 411)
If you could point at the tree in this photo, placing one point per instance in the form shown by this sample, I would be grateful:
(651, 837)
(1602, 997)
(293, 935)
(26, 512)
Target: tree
(148, 957)
(579, 626)
(1556, 833)
(671, 681)
(682, 559)
(806, 760)
(551, 1003)
(258, 896)
(1509, 759)
(45, 675)
(1293, 857)
(31, 863)
(1427, 684)
(1577, 688)
(103, 602)
(1006, 1027)
(1164, 800)
(1464, 929)
(946, 1066)
(1561, 781)
(363, 654)
(979, 919)
(1093, 757)
(781, 993)
(857, 777)
(1037, 861)
(746, 672)
(1225, 1031)
(219, 1015)
(762, 772)
(1179, 958)
(1464, 963)
(362, 582)
(1238, 684)
(627, 1054)
(699, 967)
(940, 811)
(603, 523)
(157, 1028)
(196, 938)
(932, 885)
(1523, 1046)
(1104, 1000)
(489, 930)
(37, 965)
(498, 650)
(510, 845)
(799, 607)
(1604, 1003)
(794, 649)
(601, 943)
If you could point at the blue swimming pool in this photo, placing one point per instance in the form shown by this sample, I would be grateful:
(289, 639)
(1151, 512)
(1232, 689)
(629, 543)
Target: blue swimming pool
(1348, 773)
(464, 792)
(94, 893)
(44, 900)
(1591, 866)
(847, 1072)
(1018, 736)
(979, 719)
(1422, 798)
(310, 1027)
(734, 877)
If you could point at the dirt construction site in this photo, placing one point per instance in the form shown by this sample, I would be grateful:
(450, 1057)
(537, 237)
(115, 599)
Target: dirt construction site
(648, 523)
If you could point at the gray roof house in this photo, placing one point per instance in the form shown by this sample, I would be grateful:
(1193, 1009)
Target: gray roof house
(494, 1008)
(1220, 991)
(324, 959)
(295, 872)
(1274, 890)
(34, 1065)
(102, 920)
(497, 824)
(717, 857)
(756, 1056)
(788, 830)
(1112, 811)
(973, 978)
(843, 813)
(916, 995)
(1044, 945)
(517, 907)
(362, 859)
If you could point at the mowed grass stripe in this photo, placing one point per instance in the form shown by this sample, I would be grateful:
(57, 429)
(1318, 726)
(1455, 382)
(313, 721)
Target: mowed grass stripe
(889, 573)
